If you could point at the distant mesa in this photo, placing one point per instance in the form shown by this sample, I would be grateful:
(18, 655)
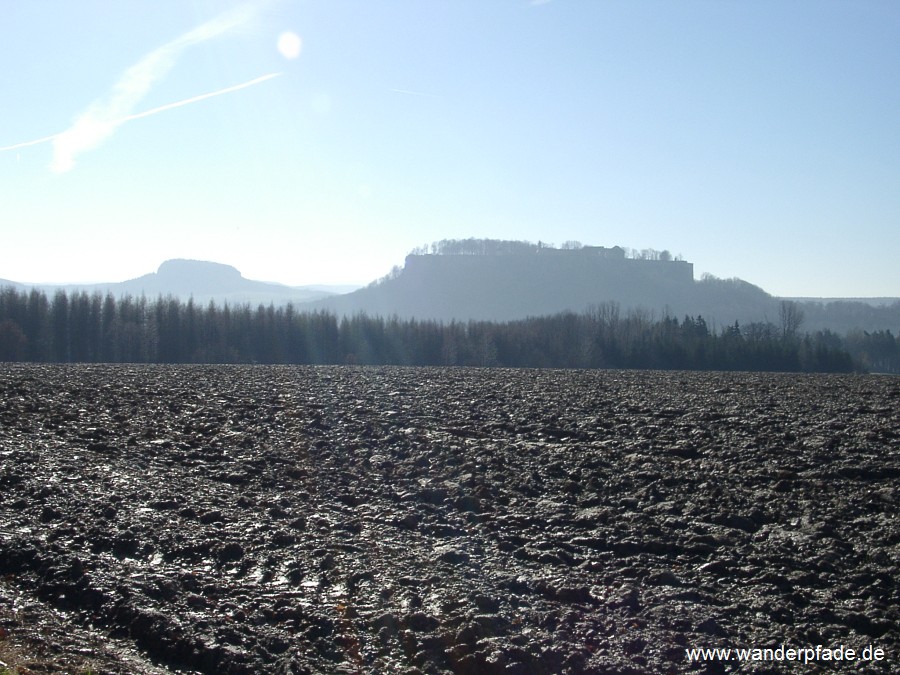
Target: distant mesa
(205, 281)
(196, 276)
(202, 281)
(185, 269)
(499, 280)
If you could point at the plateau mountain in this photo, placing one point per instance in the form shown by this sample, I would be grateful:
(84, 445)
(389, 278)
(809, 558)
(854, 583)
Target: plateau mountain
(201, 280)
(490, 280)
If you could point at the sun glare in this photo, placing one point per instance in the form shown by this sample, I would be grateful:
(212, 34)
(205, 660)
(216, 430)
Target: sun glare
(289, 45)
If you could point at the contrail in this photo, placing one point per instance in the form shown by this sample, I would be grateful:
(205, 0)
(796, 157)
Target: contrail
(153, 111)
(194, 99)
(37, 141)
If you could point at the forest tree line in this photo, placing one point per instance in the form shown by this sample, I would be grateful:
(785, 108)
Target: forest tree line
(79, 327)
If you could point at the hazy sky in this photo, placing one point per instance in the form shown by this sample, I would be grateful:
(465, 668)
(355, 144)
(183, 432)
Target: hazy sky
(318, 141)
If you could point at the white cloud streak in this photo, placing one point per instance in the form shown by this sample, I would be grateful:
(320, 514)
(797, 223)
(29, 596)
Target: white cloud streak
(104, 116)
(153, 111)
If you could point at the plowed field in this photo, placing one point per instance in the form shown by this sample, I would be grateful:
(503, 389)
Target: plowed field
(230, 519)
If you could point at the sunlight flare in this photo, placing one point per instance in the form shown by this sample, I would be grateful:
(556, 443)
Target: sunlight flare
(289, 45)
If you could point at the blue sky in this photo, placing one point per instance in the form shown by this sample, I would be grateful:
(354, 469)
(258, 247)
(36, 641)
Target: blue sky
(318, 141)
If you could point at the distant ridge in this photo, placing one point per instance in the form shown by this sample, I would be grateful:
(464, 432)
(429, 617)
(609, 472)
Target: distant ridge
(494, 280)
(504, 286)
(201, 280)
(497, 280)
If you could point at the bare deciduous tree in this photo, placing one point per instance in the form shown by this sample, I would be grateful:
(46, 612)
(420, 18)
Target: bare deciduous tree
(791, 318)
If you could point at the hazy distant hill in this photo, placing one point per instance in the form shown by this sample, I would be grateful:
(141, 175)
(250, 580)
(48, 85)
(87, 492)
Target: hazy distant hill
(516, 285)
(493, 280)
(6, 283)
(502, 281)
(204, 281)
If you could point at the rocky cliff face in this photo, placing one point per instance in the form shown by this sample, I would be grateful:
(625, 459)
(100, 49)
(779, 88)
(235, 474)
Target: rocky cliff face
(509, 287)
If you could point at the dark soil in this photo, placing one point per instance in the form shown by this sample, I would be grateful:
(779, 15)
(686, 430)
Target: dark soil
(357, 520)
